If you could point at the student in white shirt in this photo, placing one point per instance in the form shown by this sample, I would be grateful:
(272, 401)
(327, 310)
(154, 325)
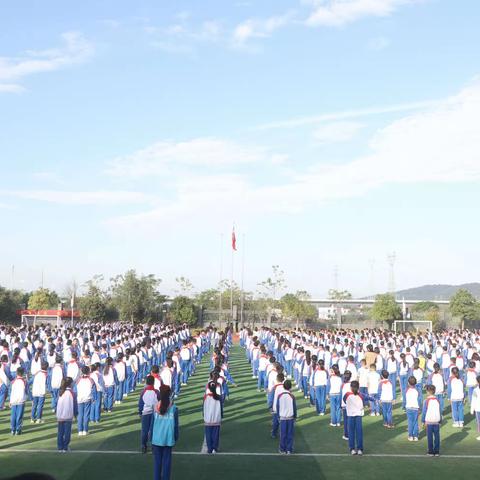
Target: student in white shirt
(475, 405)
(412, 408)
(67, 409)
(39, 390)
(373, 381)
(386, 399)
(456, 393)
(431, 418)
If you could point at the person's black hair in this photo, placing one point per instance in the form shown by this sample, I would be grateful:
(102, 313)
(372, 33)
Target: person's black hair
(165, 393)
(66, 383)
(212, 388)
(150, 380)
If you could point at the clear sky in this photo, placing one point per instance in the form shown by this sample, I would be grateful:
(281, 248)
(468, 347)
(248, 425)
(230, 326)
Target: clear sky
(133, 134)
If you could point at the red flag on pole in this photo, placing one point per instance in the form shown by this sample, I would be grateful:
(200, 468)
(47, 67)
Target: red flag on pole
(234, 240)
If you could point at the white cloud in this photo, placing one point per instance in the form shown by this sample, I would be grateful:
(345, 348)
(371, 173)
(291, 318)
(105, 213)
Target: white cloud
(11, 88)
(76, 49)
(343, 115)
(439, 144)
(100, 198)
(198, 152)
(259, 28)
(336, 13)
(336, 132)
(378, 43)
(182, 38)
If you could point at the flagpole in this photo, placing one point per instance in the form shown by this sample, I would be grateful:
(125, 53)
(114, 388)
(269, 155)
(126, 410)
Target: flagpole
(231, 287)
(220, 283)
(242, 298)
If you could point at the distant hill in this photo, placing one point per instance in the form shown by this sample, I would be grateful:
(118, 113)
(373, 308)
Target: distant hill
(437, 292)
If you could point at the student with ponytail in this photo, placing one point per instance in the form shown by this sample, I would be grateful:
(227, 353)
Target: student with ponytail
(165, 434)
(212, 416)
(67, 408)
(109, 381)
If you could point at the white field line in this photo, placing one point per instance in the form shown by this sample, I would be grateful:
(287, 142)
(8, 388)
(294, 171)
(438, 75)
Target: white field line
(239, 454)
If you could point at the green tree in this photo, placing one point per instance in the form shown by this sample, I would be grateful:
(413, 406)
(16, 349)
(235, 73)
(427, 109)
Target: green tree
(386, 309)
(185, 286)
(295, 307)
(422, 307)
(464, 306)
(274, 284)
(182, 310)
(338, 296)
(43, 299)
(433, 315)
(208, 299)
(428, 311)
(10, 302)
(136, 297)
(94, 304)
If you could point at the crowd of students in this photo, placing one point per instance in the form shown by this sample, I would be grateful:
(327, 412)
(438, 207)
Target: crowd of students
(351, 370)
(87, 370)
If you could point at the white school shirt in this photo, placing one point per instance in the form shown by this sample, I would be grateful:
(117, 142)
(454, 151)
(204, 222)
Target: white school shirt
(18, 391)
(285, 401)
(391, 366)
(438, 383)
(411, 398)
(386, 394)
(278, 389)
(345, 389)
(319, 378)
(263, 363)
(335, 385)
(353, 370)
(84, 389)
(471, 380)
(354, 405)
(373, 381)
(456, 389)
(73, 371)
(120, 368)
(363, 377)
(39, 386)
(475, 405)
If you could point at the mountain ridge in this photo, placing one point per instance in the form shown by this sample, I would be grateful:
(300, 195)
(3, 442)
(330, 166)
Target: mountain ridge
(437, 291)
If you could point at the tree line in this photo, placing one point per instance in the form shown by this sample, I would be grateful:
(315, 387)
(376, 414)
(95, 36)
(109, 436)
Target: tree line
(136, 297)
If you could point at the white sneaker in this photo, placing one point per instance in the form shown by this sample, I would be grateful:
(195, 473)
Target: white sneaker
(333, 424)
(353, 452)
(415, 439)
(322, 414)
(360, 452)
(372, 414)
(344, 437)
(478, 438)
(410, 439)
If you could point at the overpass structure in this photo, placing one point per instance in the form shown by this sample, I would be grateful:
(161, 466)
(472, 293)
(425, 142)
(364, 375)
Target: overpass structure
(322, 302)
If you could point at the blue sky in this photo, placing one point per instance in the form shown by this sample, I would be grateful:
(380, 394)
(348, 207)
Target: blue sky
(132, 135)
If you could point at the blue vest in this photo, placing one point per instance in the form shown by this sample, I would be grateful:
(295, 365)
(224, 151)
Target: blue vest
(164, 428)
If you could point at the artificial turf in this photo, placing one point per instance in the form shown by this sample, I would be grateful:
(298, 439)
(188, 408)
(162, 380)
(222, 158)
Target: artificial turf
(245, 429)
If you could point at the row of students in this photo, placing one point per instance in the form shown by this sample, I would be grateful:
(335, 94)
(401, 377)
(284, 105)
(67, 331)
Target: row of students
(377, 389)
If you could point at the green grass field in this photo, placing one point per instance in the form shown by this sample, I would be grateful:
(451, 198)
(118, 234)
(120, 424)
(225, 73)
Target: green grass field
(111, 451)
